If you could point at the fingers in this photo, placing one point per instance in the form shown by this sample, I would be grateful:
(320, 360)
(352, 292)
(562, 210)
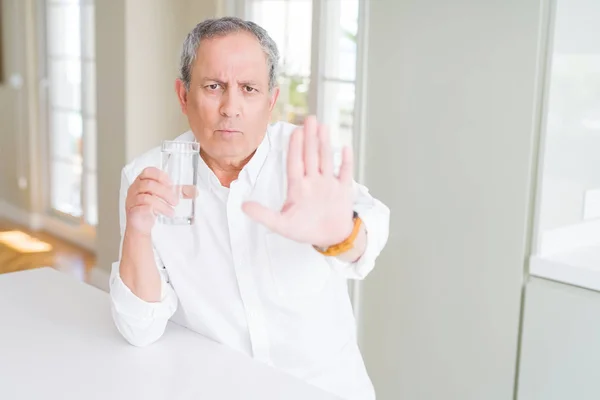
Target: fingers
(311, 146)
(152, 189)
(188, 191)
(155, 174)
(347, 167)
(155, 182)
(326, 156)
(295, 162)
(269, 218)
(310, 151)
(155, 204)
(155, 188)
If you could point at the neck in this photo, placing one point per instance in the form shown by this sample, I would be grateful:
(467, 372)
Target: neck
(227, 170)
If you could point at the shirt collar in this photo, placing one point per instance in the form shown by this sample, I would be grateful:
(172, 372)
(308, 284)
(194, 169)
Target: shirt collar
(254, 166)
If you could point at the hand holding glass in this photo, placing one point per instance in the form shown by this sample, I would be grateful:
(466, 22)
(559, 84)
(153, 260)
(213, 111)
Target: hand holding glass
(180, 161)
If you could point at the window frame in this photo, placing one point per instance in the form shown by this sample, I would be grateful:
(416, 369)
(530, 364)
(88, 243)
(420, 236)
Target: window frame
(72, 228)
(240, 9)
(318, 78)
(572, 249)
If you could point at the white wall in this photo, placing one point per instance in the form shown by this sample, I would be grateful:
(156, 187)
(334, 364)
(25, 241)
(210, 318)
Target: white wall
(11, 151)
(138, 44)
(19, 150)
(560, 354)
(451, 105)
(154, 39)
(112, 134)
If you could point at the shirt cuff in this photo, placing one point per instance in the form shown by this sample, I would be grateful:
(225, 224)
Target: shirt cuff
(128, 304)
(361, 267)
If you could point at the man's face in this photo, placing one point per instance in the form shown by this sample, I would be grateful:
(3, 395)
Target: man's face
(228, 104)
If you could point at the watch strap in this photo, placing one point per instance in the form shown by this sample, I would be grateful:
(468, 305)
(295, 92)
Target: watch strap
(345, 245)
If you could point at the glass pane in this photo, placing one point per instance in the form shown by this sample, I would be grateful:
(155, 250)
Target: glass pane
(65, 84)
(292, 105)
(571, 166)
(89, 144)
(65, 132)
(270, 14)
(297, 55)
(89, 88)
(64, 32)
(289, 23)
(66, 187)
(340, 39)
(88, 25)
(338, 111)
(91, 198)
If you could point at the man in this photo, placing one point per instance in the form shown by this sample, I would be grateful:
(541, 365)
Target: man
(278, 232)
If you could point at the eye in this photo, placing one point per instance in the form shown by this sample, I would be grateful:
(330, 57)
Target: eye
(249, 89)
(213, 86)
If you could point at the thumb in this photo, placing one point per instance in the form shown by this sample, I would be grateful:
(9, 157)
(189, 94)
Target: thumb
(189, 191)
(261, 214)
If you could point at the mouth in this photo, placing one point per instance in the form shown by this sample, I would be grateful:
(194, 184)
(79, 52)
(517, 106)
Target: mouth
(227, 134)
(226, 131)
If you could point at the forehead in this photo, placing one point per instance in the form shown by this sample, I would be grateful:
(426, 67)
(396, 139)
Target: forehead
(236, 54)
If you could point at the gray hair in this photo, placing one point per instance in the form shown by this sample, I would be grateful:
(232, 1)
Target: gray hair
(220, 27)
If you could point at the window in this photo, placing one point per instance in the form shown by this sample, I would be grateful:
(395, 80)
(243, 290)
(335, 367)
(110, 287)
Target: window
(289, 24)
(337, 71)
(317, 40)
(567, 247)
(320, 64)
(69, 108)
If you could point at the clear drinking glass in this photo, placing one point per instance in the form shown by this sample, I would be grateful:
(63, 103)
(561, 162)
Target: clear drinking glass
(180, 161)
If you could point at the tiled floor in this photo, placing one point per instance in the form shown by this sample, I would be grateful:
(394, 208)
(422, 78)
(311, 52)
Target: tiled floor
(59, 254)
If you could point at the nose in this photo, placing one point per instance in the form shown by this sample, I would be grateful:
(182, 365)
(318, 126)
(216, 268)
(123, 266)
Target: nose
(230, 104)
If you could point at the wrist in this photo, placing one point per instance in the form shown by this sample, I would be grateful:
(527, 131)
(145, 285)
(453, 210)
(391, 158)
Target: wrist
(346, 233)
(358, 247)
(345, 244)
(135, 234)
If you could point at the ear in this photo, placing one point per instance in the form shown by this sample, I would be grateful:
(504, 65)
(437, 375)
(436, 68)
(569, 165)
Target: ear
(181, 92)
(273, 99)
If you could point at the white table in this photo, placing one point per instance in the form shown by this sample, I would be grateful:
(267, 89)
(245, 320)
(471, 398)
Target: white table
(58, 341)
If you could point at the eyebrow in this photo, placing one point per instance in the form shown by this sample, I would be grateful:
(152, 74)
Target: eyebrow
(205, 79)
(249, 83)
(244, 83)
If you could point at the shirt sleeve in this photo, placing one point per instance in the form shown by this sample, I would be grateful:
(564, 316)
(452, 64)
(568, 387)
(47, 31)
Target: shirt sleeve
(141, 323)
(376, 217)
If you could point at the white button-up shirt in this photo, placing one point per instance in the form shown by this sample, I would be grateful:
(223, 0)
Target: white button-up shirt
(234, 281)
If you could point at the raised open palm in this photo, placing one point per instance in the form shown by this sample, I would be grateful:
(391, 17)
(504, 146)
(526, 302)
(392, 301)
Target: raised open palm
(318, 207)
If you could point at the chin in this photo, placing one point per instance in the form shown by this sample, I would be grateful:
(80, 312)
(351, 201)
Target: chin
(230, 151)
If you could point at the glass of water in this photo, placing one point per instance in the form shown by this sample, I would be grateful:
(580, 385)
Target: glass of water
(180, 161)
